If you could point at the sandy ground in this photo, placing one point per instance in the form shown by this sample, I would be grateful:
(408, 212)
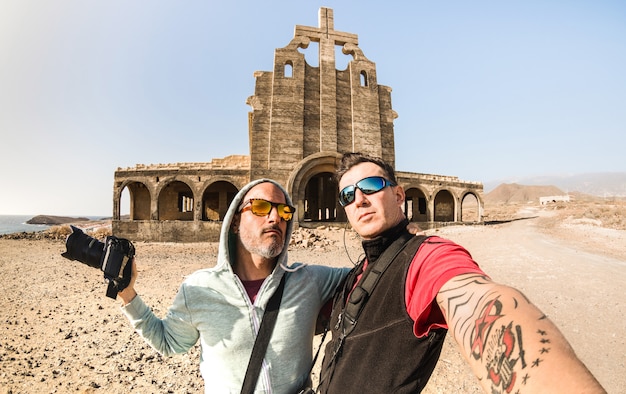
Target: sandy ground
(60, 334)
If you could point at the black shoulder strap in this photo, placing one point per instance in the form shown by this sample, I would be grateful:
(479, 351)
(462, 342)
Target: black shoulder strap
(361, 293)
(262, 339)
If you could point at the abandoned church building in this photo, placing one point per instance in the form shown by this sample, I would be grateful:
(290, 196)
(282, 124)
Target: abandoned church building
(302, 119)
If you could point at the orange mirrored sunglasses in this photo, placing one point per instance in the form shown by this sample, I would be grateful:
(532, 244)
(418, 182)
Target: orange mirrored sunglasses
(261, 207)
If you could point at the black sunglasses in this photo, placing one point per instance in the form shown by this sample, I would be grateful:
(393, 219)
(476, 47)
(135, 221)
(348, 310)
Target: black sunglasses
(369, 185)
(261, 207)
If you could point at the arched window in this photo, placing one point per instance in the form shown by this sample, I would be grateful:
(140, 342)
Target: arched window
(363, 78)
(288, 72)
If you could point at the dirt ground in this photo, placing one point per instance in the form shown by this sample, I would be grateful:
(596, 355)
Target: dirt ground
(60, 334)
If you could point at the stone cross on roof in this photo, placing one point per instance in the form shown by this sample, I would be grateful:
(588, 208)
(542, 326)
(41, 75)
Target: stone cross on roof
(326, 35)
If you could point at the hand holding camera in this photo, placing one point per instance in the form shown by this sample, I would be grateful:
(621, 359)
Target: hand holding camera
(114, 257)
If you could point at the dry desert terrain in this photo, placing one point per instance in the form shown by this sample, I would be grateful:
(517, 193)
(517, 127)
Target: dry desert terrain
(60, 334)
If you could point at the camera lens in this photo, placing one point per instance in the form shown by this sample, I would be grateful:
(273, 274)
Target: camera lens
(84, 248)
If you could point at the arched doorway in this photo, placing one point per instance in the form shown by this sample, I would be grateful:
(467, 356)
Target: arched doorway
(415, 207)
(444, 207)
(216, 200)
(470, 209)
(176, 202)
(320, 198)
(138, 201)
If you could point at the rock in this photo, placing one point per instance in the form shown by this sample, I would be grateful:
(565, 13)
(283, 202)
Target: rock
(51, 220)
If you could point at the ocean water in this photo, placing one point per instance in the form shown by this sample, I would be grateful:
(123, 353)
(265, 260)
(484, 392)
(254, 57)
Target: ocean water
(17, 223)
(10, 224)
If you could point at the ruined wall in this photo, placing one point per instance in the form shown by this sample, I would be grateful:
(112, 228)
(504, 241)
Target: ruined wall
(443, 196)
(299, 110)
(182, 202)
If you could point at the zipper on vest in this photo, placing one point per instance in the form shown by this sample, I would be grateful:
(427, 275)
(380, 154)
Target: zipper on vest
(339, 320)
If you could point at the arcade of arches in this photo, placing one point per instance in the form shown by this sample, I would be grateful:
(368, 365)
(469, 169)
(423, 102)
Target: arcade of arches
(188, 208)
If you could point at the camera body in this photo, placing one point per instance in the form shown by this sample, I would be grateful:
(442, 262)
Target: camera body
(113, 257)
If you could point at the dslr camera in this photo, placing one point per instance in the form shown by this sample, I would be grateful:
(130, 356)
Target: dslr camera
(114, 257)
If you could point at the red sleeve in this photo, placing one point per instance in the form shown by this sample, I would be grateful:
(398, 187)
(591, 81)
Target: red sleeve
(437, 261)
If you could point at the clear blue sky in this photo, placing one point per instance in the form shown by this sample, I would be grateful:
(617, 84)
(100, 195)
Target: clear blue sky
(484, 90)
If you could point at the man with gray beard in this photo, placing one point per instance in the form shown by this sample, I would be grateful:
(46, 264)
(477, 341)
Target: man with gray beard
(223, 306)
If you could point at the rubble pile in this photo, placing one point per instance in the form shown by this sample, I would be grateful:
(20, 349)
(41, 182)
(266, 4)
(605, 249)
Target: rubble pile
(319, 238)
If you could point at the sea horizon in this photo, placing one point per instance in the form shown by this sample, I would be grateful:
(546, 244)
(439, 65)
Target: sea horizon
(10, 224)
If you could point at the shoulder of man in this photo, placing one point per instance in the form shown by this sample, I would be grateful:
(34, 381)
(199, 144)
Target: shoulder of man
(316, 272)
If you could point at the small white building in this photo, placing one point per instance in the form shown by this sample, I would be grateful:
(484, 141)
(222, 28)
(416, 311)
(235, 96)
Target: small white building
(549, 199)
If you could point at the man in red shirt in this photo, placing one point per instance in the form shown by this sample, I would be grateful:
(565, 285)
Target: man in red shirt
(389, 321)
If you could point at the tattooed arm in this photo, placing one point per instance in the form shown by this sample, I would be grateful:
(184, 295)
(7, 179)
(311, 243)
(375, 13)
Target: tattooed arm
(511, 346)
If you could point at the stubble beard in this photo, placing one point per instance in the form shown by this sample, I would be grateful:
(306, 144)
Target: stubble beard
(260, 244)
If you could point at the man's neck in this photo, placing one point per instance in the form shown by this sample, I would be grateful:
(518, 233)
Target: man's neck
(253, 267)
(374, 247)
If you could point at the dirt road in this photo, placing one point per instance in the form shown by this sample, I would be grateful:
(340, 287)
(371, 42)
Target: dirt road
(584, 293)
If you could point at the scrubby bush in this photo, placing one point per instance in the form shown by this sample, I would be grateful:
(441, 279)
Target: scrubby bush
(59, 232)
(101, 232)
(610, 215)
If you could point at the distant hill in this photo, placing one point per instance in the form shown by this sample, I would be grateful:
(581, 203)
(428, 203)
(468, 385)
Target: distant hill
(508, 193)
(601, 184)
(54, 220)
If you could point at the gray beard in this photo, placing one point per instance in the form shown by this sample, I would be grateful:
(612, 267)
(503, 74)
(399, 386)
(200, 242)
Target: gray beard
(268, 252)
(265, 251)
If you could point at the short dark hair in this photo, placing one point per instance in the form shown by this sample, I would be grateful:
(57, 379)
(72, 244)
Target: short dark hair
(350, 159)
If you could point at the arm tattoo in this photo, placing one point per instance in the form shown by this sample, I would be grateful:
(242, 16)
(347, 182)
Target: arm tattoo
(497, 344)
(499, 348)
(459, 297)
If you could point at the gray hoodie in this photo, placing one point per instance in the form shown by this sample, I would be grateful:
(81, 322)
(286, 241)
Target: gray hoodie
(213, 306)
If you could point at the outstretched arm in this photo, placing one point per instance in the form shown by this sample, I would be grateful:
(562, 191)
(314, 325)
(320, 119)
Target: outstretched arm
(511, 345)
(129, 292)
(170, 335)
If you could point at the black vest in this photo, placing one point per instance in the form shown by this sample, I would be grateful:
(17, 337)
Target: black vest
(381, 354)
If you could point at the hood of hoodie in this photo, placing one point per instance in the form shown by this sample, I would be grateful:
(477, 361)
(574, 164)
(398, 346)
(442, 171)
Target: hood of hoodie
(227, 237)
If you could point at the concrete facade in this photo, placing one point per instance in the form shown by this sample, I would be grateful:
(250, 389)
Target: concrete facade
(302, 119)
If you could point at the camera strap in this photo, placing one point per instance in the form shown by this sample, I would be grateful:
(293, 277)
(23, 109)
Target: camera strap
(262, 339)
